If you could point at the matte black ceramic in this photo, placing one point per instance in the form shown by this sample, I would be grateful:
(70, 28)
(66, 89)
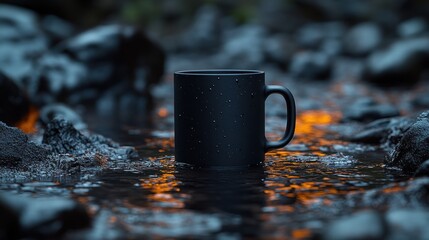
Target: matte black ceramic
(219, 117)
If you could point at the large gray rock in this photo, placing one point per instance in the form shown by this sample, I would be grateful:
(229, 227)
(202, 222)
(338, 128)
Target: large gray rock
(310, 65)
(362, 39)
(413, 148)
(402, 63)
(365, 110)
(408, 224)
(21, 41)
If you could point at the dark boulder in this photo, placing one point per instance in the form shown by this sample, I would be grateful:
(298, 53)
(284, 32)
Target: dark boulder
(402, 63)
(387, 131)
(412, 149)
(63, 138)
(362, 39)
(85, 66)
(14, 103)
(41, 217)
(365, 110)
(21, 41)
(17, 150)
(310, 65)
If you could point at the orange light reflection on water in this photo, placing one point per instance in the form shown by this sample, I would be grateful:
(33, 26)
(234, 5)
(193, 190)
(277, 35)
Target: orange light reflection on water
(164, 187)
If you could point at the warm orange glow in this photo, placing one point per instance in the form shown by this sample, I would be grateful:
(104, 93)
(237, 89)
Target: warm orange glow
(28, 124)
(163, 112)
(301, 233)
(164, 187)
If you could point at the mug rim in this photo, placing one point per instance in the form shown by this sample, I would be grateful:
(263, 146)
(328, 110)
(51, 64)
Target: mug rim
(219, 72)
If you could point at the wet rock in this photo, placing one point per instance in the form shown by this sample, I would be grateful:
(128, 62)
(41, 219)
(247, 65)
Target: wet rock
(365, 110)
(205, 33)
(407, 224)
(361, 225)
(57, 78)
(52, 111)
(387, 131)
(14, 103)
(17, 150)
(423, 170)
(310, 65)
(412, 27)
(85, 66)
(43, 217)
(63, 138)
(402, 63)
(279, 49)
(243, 48)
(362, 39)
(128, 55)
(21, 41)
(413, 193)
(412, 150)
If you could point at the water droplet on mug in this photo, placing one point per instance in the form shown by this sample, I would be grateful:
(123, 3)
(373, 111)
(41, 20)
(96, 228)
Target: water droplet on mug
(221, 94)
(252, 95)
(196, 97)
(214, 121)
(199, 141)
(236, 80)
(229, 100)
(224, 136)
(210, 89)
(202, 92)
(218, 78)
(180, 115)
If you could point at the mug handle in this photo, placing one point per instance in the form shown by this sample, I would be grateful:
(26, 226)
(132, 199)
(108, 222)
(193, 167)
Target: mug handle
(291, 115)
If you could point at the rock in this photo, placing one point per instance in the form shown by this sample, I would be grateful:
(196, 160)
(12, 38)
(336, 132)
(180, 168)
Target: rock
(402, 63)
(44, 217)
(57, 29)
(14, 103)
(17, 150)
(21, 41)
(205, 32)
(314, 35)
(423, 170)
(362, 39)
(412, 150)
(65, 139)
(413, 193)
(52, 111)
(407, 224)
(128, 55)
(85, 66)
(421, 100)
(57, 77)
(279, 49)
(386, 131)
(242, 48)
(363, 225)
(310, 65)
(365, 110)
(412, 27)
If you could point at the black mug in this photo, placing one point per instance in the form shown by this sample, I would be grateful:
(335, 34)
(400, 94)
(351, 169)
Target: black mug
(219, 117)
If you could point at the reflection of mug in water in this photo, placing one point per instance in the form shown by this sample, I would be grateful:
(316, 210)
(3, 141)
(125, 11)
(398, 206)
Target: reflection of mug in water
(219, 117)
(240, 193)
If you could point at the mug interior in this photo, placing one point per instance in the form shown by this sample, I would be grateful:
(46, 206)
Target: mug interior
(219, 72)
